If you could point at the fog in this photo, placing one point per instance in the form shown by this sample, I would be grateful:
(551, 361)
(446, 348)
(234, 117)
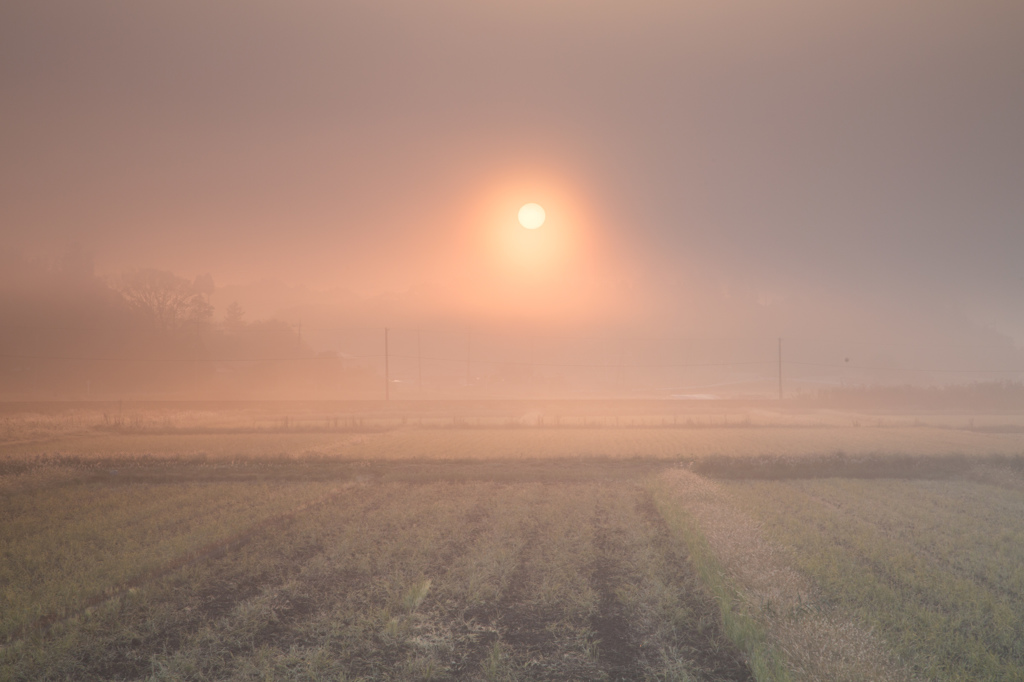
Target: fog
(716, 176)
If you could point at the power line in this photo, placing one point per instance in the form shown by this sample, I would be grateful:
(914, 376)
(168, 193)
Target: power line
(596, 365)
(524, 363)
(384, 356)
(374, 329)
(910, 369)
(70, 358)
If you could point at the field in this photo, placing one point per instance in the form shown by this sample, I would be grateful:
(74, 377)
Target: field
(552, 542)
(937, 565)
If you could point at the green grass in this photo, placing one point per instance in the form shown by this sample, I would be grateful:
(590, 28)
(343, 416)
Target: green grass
(766, 662)
(433, 579)
(937, 566)
(66, 546)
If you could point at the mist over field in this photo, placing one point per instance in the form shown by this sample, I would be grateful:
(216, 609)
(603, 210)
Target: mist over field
(497, 341)
(716, 176)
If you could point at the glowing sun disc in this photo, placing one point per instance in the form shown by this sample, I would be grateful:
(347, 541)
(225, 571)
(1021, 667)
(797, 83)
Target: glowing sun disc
(531, 216)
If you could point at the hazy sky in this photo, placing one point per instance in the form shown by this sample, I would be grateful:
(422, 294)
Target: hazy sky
(865, 158)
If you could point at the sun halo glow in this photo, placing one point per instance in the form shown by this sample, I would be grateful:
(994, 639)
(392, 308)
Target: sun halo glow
(531, 216)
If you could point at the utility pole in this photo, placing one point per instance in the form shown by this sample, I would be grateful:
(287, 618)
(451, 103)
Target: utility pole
(780, 368)
(387, 369)
(620, 370)
(469, 345)
(419, 364)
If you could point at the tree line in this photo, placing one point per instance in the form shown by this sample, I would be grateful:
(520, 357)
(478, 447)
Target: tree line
(67, 333)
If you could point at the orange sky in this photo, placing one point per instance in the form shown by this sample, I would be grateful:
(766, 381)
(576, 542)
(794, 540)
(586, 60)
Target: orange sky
(791, 162)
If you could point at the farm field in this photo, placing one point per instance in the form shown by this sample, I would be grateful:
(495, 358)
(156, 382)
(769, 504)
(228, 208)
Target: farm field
(541, 575)
(771, 552)
(936, 566)
(412, 442)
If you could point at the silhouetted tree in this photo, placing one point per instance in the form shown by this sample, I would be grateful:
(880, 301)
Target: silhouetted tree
(233, 315)
(166, 300)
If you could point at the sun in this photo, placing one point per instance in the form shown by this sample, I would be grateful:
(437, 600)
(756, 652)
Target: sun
(531, 216)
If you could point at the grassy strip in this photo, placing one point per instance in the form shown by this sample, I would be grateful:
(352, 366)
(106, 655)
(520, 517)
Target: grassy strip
(667, 444)
(766, 663)
(840, 464)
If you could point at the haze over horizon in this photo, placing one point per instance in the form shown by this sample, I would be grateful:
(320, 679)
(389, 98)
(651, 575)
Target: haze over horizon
(849, 173)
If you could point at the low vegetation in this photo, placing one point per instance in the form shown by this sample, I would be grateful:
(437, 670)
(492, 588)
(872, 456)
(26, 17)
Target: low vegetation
(935, 566)
(513, 430)
(68, 546)
(530, 578)
(768, 552)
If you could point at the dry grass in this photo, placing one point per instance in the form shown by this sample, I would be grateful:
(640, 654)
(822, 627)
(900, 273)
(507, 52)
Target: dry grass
(411, 442)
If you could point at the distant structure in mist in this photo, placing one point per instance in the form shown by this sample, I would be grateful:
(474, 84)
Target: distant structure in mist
(68, 334)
